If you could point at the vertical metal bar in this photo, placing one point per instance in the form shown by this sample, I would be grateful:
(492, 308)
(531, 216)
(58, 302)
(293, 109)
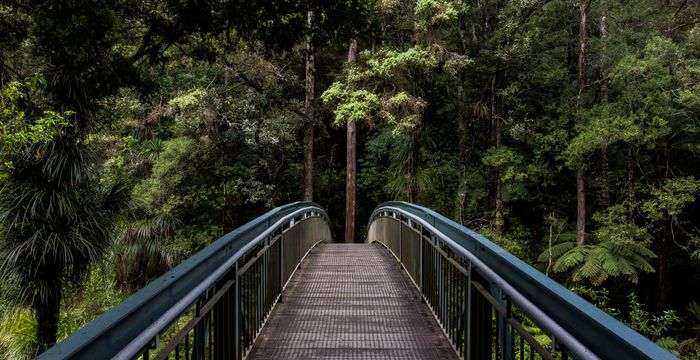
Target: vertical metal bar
(440, 283)
(511, 350)
(282, 279)
(455, 305)
(210, 338)
(468, 314)
(198, 347)
(400, 241)
(450, 294)
(500, 326)
(187, 347)
(422, 257)
(510, 341)
(522, 348)
(465, 315)
(237, 315)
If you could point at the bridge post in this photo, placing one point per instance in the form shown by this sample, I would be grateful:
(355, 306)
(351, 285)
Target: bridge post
(482, 321)
(237, 315)
(223, 316)
(400, 241)
(200, 329)
(422, 257)
(510, 339)
(282, 279)
(441, 282)
(468, 314)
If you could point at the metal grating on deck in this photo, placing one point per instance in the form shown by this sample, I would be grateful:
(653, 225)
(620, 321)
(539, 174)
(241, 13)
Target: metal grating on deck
(351, 301)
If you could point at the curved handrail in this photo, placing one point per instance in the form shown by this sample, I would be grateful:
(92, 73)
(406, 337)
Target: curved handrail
(153, 308)
(580, 326)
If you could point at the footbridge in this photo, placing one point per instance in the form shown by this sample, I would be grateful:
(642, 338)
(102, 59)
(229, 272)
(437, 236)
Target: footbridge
(420, 287)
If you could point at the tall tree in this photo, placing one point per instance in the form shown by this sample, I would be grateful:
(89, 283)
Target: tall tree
(310, 106)
(580, 175)
(54, 212)
(86, 52)
(351, 162)
(604, 95)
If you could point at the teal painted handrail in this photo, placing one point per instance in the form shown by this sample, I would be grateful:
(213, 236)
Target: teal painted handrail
(583, 329)
(112, 331)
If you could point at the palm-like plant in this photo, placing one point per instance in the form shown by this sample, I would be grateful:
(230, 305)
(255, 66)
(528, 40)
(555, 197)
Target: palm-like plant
(140, 252)
(618, 248)
(56, 221)
(595, 263)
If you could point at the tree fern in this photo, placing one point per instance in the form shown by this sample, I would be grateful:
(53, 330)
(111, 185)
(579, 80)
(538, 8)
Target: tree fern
(556, 251)
(620, 250)
(595, 263)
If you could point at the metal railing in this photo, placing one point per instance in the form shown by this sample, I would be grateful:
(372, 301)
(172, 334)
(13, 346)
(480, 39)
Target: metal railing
(491, 304)
(213, 305)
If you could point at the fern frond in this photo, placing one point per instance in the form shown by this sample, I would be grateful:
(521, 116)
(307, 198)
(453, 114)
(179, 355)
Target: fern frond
(557, 251)
(570, 259)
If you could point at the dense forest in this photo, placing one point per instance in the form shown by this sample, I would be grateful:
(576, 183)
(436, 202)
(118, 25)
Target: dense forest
(134, 133)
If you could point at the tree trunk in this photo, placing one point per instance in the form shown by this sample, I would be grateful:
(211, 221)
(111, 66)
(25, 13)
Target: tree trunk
(630, 181)
(463, 150)
(580, 207)
(496, 125)
(661, 273)
(605, 175)
(411, 190)
(604, 163)
(47, 307)
(580, 180)
(583, 44)
(462, 128)
(310, 105)
(351, 169)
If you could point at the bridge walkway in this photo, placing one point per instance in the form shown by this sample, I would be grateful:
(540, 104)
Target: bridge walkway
(351, 301)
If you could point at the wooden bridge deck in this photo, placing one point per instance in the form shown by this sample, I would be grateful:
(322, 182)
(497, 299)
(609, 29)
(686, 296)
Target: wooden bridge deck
(351, 301)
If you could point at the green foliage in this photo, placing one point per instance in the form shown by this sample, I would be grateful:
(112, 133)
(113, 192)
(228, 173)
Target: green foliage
(690, 347)
(596, 263)
(97, 294)
(616, 227)
(515, 240)
(357, 105)
(168, 171)
(150, 137)
(600, 297)
(513, 171)
(380, 88)
(18, 326)
(668, 343)
(646, 324)
(18, 334)
(602, 129)
(22, 129)
(621, 251)
(670, 198)
(430, 13)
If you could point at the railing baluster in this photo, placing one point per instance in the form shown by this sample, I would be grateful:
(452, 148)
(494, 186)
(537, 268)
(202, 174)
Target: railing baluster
(237, 314)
